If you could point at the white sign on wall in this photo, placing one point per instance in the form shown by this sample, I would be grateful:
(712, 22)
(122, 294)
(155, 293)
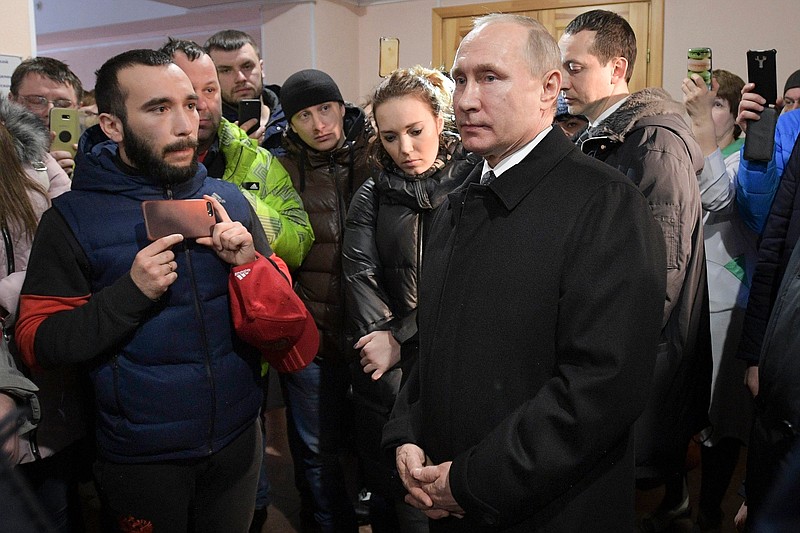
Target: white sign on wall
(7, 66)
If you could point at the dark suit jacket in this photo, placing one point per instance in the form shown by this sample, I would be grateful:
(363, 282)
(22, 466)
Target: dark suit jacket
(541, 301)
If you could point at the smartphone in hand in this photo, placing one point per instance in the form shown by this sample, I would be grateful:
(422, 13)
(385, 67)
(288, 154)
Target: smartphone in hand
(67, 127)
(250, 108)
(698, 61)
(761, 70)
(191, 218)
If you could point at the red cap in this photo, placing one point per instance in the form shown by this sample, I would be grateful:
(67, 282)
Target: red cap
(272, 317)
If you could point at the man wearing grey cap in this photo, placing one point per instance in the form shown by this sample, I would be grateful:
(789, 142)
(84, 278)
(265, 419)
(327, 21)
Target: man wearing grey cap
(326, 158)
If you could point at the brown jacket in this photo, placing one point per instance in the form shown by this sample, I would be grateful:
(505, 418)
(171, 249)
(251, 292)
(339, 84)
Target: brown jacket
(326, 182)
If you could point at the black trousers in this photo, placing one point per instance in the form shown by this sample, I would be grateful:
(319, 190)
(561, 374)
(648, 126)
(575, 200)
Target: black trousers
(209, 494)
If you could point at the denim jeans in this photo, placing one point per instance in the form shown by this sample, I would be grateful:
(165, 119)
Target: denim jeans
(316, 411)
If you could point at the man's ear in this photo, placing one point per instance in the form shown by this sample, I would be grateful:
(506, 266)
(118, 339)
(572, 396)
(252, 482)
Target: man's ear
(620, 68)
(112, 127)
(551, 86)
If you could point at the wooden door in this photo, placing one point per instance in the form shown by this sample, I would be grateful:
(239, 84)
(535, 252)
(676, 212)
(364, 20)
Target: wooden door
(646, 17)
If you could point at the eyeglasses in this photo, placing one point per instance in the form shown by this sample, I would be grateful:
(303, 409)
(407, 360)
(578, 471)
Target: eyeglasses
(39, 103)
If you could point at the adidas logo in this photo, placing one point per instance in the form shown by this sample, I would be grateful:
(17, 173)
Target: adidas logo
(250, 185)
(242, 274)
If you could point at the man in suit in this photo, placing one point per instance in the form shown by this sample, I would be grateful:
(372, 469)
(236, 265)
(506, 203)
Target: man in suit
(540, 308)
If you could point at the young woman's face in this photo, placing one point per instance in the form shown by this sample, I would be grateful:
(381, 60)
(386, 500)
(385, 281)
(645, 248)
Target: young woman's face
(409, 132)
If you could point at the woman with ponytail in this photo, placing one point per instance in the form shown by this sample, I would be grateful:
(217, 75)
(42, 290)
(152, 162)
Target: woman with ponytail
(418, 159)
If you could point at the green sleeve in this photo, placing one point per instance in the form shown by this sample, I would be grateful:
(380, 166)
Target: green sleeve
(267, 186)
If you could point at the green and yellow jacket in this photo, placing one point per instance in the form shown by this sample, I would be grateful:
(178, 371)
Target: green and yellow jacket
(267, 186)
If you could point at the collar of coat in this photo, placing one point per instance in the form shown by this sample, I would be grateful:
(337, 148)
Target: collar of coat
(518, 181)
(639, 105)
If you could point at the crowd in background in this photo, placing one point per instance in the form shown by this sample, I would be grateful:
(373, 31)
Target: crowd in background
(516, 292)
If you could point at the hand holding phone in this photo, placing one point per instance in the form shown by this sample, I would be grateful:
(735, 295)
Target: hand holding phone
(761, 71)
(192, 218)
(698, 61)
(231, 240)
(759, 143)
(65, 123)
(250, 108)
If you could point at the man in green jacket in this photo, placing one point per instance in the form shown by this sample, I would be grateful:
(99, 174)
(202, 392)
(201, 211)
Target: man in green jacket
(228, 153)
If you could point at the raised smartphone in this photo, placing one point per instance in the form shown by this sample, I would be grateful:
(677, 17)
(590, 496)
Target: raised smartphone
(698, 61)
(250, 108)
(67, 127)
(191, 218)
(761, 70)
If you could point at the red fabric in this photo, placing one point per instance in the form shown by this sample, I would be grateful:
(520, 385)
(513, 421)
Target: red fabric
(33, 311)
(269, 315)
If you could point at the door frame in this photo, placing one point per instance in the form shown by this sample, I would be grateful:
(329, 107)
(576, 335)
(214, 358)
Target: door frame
(652, 54)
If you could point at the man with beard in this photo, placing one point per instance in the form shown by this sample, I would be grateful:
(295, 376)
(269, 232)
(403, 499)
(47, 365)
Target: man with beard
(170, 331)
(241, 75)
(229, 154)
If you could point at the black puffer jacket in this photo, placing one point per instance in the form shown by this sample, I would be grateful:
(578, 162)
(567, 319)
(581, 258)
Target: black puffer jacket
(326, 182)
(382, 254)
(780, 236)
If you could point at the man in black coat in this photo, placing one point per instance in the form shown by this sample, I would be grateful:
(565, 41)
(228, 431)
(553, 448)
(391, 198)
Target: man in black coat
(540, 309)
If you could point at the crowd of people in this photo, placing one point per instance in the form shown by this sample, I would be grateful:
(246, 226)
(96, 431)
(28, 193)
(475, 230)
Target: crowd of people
(517, 292)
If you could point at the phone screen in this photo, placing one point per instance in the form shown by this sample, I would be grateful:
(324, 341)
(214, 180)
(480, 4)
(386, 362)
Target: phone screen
(761, 70)
(250, 108)
(699, 62)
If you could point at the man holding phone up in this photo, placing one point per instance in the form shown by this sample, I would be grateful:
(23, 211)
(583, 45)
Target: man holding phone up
(172, 332)
(41, 84)
(241, 76)
(229, 154)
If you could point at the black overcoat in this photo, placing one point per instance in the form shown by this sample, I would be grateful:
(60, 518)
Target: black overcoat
(541, 302)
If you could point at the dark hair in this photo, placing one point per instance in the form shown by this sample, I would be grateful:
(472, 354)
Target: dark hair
(16, 208)
(614, 37)
(108, 93)
(230, 41)
(191, 49)
(88, 98)
(730, 90)
(50, 68)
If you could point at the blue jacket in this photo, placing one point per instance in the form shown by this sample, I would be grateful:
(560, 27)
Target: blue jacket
(780, 235)
(758, 181)
(171, 379)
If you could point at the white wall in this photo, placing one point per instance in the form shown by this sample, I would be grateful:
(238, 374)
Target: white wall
(19, 36)
(86, 50)
(408, 21)
(344, 40)
(730, 28)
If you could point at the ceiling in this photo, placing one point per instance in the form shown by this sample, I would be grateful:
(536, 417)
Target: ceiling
(191, 4)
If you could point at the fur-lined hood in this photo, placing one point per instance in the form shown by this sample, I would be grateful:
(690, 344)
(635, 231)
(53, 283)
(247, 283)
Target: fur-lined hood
(31, 138)
(639, 105)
